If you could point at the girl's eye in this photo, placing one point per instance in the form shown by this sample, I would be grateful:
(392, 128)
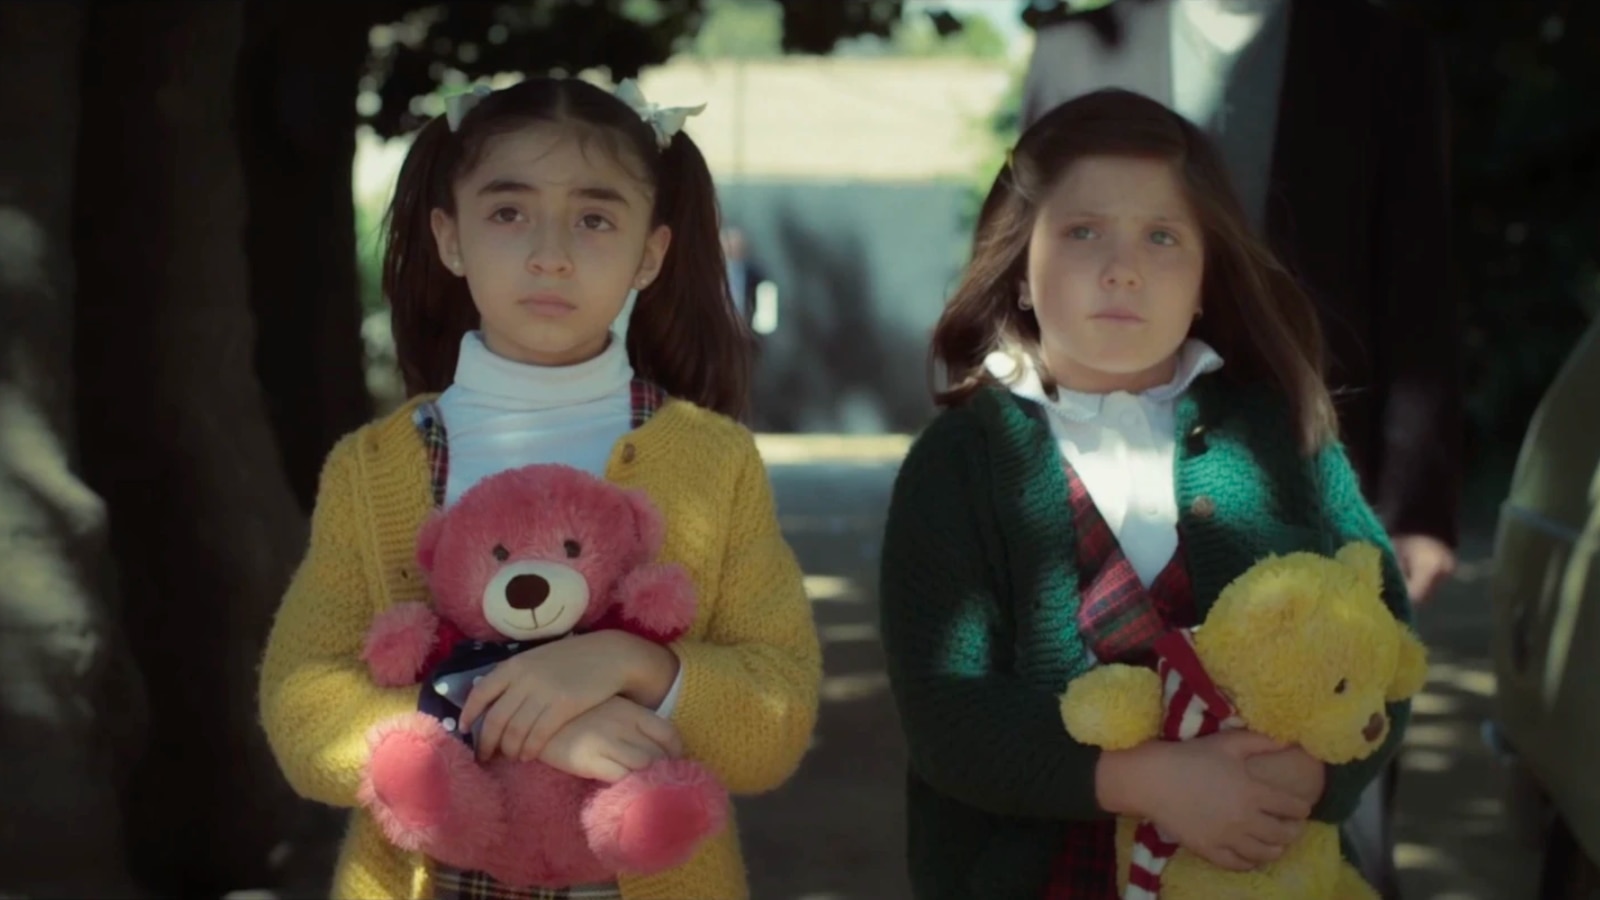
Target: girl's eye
(1164, 238)
(505, 215)
(1080, 232)
(594, 222)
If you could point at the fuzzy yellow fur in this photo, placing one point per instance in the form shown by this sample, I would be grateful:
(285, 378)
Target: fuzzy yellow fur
(1308, 653)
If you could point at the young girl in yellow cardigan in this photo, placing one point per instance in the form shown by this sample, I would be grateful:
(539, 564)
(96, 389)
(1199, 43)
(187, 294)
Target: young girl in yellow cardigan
(523, 222)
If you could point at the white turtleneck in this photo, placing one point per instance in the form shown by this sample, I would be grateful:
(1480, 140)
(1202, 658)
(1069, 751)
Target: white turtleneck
(1123, 448)
(500, 414)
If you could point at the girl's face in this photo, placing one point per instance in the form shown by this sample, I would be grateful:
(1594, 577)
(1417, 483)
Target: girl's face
(1114, 270)
(551, 235)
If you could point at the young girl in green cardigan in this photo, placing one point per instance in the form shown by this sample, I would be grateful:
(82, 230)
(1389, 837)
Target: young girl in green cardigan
(1134, 414)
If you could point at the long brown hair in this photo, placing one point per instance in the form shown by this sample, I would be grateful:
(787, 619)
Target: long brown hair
(1256, 315)
(685, 334)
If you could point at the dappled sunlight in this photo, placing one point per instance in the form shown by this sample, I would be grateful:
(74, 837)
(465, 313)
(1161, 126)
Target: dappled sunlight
(1472, 680)
(1428, 704)
(815, 449)
(832, 589)
(857, 686)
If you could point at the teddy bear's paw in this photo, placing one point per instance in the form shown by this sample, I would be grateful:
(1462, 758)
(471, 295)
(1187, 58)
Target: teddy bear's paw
(1113, 706)
(407, 780)
(425, 790)
(655, 818)
(398, 643)
(657, 602)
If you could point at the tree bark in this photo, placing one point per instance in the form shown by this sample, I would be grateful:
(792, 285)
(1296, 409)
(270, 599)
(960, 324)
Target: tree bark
(298, 79)
(205, 529)
(70, 702)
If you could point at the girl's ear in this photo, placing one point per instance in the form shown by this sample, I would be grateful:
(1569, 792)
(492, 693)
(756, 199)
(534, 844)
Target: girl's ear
(447, 240)
(655, 256)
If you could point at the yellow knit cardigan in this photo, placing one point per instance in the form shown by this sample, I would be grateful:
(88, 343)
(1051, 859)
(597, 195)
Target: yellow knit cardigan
(751, 663)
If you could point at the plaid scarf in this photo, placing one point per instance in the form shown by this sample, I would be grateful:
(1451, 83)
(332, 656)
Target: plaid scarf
(1122, 621)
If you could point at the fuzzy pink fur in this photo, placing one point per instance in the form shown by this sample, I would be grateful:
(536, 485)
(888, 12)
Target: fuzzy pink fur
(524, 823)
(533, 513)
(527, 824)
(400, 640)
(656, 602)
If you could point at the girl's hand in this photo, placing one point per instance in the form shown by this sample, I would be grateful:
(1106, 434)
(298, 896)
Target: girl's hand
(1202, 794)
(535, 694)
(608, 742)
(1293, 770)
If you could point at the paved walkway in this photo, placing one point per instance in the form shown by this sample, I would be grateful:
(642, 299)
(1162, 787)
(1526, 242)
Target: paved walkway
(835, 831)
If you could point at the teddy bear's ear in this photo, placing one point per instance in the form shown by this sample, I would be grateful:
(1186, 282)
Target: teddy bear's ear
(1411, 673)
(648, 526)
(1367, 560)
(428, 539)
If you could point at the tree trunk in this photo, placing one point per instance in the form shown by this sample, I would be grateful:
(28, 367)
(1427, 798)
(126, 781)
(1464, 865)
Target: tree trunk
(205, 529)
(298, 80)
(70, 702)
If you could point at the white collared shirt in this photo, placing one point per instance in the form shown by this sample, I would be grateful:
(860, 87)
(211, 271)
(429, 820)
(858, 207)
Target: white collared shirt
(1123, 447)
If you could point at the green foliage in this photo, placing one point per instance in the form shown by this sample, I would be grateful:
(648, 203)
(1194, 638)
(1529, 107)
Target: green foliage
(369, 256)
(1526, 134)
(740, 29)
(999, 131)
(922, 36)
(436, 45)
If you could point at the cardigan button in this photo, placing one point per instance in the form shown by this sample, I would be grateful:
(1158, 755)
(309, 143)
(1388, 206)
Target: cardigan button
(1195, 441)
(628, 453)
(1203, 507)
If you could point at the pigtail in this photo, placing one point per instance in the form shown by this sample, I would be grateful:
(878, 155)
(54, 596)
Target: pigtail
(430, 307)
(686, 335)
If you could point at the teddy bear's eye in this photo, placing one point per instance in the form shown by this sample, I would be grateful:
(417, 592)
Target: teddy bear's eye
(573, 548)
(501, 553)
(1340, 687)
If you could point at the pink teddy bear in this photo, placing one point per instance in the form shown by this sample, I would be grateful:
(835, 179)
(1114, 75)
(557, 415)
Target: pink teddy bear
(524, 557)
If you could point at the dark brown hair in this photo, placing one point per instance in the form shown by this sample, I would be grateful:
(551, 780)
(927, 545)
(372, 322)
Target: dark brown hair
(685, 334)
(1256, 315)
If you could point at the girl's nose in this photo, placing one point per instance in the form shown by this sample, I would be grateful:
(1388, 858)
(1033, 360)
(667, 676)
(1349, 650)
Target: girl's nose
(1118, 276)
(549, 256)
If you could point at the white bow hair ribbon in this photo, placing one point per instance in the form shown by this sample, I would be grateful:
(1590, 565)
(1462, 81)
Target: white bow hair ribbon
(665, 121)
(457, 106)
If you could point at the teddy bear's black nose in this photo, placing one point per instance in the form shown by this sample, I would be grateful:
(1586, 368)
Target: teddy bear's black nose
(1371, 732)
(527, 591)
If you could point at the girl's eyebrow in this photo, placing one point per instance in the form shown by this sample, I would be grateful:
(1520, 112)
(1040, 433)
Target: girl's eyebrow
(1096, 214)
(598, 192)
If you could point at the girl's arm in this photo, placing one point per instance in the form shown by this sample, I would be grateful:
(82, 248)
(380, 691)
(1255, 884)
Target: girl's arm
(975, 732)
(747, 702)
(1351, 518)
(317, 698)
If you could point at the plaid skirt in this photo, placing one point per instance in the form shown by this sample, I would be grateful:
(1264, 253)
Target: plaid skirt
(454, 884)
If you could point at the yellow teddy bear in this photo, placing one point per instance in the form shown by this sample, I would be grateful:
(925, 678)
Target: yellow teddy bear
(1299, 648)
